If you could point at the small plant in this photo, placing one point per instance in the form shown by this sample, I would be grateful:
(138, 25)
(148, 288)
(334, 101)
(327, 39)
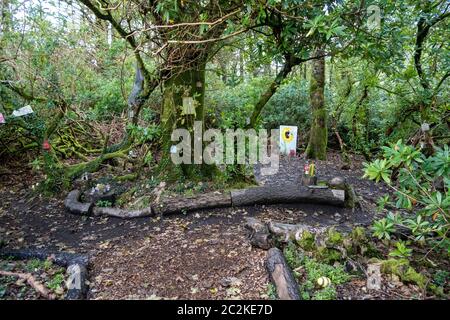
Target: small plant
(383, 228)
(312, 170)
(56, 282)
(401, 250)
(441, 278)
(34, 264)
(309, 270)
(103, 203)
(378, 170)
(382, 202)
(420, 185)
(271, 291)
(328, 293)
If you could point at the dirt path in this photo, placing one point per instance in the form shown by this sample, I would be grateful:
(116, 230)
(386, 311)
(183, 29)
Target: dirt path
(202, 255)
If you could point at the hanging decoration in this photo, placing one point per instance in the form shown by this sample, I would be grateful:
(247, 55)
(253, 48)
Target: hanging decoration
(22, 111)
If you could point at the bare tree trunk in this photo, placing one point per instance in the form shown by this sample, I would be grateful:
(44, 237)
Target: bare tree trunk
(241, 65)
(288, 65)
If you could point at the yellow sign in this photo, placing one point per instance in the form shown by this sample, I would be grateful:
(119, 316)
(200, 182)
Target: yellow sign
(287, 134)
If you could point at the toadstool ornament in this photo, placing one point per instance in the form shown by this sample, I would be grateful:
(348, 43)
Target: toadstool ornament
(323, 282)
(46, 145)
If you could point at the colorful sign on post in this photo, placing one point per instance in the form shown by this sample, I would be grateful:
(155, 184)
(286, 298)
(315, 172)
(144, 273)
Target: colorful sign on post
(22, 111)
(288, 140)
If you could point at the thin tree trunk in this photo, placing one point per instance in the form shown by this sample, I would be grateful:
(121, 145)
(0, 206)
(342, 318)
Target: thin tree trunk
(289, 64)
(241, 65)
(318, 137)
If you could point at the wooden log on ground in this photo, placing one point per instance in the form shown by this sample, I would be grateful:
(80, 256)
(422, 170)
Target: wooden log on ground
(291, 193)
(73, 204)
(123, 213)
(63, 259)
(256, 225)
(286, 232)
(281, 275)
(259, 234)
(210, 200)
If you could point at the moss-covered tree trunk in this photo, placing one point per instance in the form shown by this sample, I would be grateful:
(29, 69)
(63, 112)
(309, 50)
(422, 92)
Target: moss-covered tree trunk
(318, 136)
(183, 84)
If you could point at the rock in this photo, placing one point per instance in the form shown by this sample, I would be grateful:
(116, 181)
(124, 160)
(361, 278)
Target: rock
(337, 183)
(230, 281)
(207, 284)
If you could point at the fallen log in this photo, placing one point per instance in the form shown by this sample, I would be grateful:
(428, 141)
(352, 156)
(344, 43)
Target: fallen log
(123, 213)
(73, 204)
(36, 285)
(288, 194)
(262, 235)
(210, 200)
(286, 232)
(60, 258)
(281, 275)
(259, 235)
(254, 225)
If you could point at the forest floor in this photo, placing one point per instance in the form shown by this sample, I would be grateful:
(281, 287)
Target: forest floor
(201, 255)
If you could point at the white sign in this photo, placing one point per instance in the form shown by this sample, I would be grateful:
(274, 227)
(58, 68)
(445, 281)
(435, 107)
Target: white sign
(22, 111)
(188, 106)
(288, 140)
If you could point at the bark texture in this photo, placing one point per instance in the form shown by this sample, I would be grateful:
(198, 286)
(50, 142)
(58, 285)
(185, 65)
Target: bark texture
(186, 204)
(318, 136)
(290, 194)
(73, 204)
(281, 275)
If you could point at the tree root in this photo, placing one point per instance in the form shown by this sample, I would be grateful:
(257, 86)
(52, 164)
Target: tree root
(76, 265)
(76, 170)
(36, 285)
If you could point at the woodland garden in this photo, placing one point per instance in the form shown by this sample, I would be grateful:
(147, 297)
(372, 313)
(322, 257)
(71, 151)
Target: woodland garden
(118, 179)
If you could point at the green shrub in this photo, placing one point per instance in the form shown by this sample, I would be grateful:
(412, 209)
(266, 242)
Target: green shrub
(420, 185)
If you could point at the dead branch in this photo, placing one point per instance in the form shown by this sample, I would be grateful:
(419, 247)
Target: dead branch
(39, 287)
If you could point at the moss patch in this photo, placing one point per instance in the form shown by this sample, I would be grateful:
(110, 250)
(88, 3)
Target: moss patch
(402, 269)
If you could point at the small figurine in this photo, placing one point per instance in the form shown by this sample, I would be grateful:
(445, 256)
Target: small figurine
(306, 169)
(309, 175)
(46, 145)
